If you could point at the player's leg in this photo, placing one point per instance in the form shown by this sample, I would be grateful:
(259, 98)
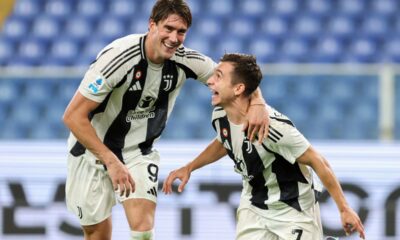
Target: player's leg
(140, 215)
(140, 205)
(100, 231)
(252, 226)
(90, 196)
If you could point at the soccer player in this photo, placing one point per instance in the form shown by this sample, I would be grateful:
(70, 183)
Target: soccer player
(120, 109)
(278, 199)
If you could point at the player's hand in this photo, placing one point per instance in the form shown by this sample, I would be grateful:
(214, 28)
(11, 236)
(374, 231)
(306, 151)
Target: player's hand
(121, 178)
(182, 174)
(258, 123)
(351, 222)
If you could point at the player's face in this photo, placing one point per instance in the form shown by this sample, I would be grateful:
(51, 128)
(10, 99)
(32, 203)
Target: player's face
(165, 37)
(220, 84)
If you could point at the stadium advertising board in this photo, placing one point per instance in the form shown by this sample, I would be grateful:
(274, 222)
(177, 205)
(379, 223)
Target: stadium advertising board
(32, 178)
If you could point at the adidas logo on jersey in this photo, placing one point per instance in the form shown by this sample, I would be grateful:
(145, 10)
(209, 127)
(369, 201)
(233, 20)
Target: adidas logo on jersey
(135, 87)
(153, 191)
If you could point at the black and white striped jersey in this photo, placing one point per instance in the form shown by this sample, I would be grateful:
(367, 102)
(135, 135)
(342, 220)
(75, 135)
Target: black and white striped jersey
(272, 179)
(136, 96)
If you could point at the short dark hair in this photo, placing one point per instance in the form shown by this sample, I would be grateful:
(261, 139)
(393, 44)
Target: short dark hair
(245, 70)
(163, 8)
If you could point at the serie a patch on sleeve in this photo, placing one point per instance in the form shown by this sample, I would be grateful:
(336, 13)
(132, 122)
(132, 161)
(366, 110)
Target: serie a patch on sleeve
(96, 85)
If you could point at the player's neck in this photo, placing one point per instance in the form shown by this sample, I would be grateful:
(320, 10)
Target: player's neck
(237, 110)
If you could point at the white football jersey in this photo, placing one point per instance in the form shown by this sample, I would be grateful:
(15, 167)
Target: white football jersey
(272, 179)
(136, 96)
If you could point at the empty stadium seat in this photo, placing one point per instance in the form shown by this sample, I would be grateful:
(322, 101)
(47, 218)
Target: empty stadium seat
(10, 90)
(319, 8)
(285, 8)
(241, 26)
(123, 8)
(45, 28)
(7, 50)
(274, 27)
(30, 52)
(374, 27)
(253, 7)
(15, 29)
(385, 7)
(341, 26)
(352, 8)
(263, 48)
(207, 26)
(294, 50)
(90, 9)
(220, 7)
(78, 28)
(110, 28)
(392, 49)
(362, 50)
(27, 9)
(307, 27)
(59, 9)
(328, 49)
(37, 91)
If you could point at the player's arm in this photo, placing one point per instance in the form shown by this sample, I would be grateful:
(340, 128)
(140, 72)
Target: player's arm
(350, 219)
(258, 118)
(214, 151)
(77, 120)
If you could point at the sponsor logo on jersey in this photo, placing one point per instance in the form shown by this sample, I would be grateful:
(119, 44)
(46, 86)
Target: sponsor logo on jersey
(138, 75)
(96, 85)
(153, 191)
(133, 115)
(168, 82)
(225, 132)
(80, 215)
(249, 147)
(135, 87)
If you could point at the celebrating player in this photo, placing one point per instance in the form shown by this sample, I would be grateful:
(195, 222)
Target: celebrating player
(120, 109)
(278, 200)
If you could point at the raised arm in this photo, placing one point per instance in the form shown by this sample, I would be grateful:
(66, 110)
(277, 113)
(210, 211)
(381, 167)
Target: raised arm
(214, 151)
(76, 118)
(258, 118)
(350, 219)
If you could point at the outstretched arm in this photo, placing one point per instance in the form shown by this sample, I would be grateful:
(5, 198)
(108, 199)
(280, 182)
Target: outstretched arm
(258, 118)
(214, 151)
(350, 220)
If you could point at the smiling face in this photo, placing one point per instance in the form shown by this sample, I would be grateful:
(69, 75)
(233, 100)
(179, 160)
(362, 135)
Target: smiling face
(165, 37)
(220, 84)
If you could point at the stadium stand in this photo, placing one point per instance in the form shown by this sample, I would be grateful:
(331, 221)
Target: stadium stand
(63, 33)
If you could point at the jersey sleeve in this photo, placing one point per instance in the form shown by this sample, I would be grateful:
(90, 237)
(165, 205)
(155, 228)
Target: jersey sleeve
(286, 140)
(202, 66)
(103, 75)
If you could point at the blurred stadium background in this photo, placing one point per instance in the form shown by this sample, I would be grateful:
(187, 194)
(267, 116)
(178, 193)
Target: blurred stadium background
(330, 65)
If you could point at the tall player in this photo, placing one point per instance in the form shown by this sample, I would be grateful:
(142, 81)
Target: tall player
(120, 109)
(277, 200)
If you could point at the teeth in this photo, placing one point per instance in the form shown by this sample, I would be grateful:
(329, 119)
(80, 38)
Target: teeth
(168, 46)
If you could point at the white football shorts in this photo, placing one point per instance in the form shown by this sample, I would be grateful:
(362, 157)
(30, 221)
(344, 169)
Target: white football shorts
(89, 191)
(292, 225)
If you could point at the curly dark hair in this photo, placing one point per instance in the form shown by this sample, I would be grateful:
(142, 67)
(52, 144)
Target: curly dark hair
(163, 8)
(246, 70)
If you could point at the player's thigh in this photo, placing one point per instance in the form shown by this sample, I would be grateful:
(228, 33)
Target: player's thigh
(99, 231)
(252, 226)
(140, 205)
(140, 213)
(89, 192)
